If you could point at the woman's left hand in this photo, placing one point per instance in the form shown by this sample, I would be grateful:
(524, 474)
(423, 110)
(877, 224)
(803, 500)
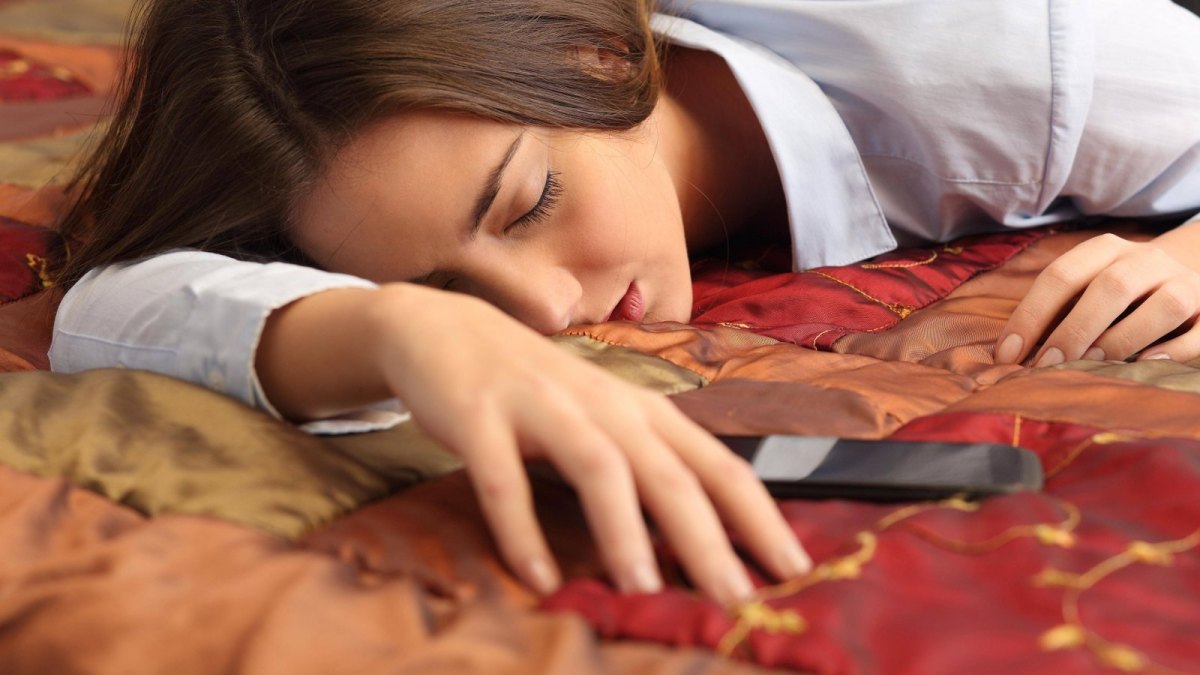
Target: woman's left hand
(1106, 277)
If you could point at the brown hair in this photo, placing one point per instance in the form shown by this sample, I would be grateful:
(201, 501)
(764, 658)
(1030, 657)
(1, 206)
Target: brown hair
(229, 108)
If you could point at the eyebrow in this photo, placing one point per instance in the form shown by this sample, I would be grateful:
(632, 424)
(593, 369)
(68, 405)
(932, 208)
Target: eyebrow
(492, 187)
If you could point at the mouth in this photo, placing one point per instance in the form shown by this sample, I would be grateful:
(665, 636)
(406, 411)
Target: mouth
(631, 307)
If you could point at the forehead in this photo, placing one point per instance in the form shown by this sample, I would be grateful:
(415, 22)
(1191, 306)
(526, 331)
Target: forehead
(398, 185)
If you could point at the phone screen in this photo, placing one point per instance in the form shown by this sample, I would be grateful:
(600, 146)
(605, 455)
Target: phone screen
(818, 466)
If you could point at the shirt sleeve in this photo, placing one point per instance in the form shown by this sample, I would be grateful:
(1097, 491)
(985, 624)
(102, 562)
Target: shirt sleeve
(197, 317)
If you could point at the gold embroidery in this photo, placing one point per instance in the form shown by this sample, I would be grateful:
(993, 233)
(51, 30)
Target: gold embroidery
(900, 310)
(38, 265)
(846, 567)
(953, 250)
(1102, 438)
(957, 503)
(1050, 535)
(1065, 636)
(1145, 552)
(1072, 632)
(818, 337)
(1122, 658)
(15, 68)
(1051, 577)
(754, 615)
(901, 265)
(1054, 536)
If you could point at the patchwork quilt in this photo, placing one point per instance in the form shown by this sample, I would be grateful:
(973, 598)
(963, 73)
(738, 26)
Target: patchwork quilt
(151, 526)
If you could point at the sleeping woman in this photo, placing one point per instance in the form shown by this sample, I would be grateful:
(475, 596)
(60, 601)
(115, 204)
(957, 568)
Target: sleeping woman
(351, 211)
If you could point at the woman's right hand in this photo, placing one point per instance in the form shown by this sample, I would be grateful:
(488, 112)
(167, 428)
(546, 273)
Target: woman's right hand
(496, 393)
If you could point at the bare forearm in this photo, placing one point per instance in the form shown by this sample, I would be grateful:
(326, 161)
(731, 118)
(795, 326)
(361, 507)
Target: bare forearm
(316, 355)
(1183, 243)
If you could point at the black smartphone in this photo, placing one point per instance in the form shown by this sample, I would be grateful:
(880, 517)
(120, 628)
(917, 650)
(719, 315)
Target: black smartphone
(806, 467)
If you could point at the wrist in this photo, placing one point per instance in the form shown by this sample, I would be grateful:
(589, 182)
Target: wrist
(1182, 243)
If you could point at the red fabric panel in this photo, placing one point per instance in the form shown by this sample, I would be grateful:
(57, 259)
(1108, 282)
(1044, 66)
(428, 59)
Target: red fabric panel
(942, 589)
(23, 79)
(24, 250)
(817, 307)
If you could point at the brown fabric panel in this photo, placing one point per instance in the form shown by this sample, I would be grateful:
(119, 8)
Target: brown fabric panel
(25, 331)
(91, 587)
(1077, 397)
(436, 533)
(34, 206)
(787, 389)
(959, 333)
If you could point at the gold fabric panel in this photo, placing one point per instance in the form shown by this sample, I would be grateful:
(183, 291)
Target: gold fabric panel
(164, 446)
(1160, 373)
(649, 371)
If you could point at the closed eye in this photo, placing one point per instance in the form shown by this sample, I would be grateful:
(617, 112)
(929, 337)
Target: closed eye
(551, 192)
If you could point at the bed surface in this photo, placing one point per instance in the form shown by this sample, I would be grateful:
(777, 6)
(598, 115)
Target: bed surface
(138, 536)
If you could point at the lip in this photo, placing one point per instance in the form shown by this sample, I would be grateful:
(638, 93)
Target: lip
(631, 307)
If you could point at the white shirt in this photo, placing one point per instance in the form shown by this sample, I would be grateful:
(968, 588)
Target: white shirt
(916, 120)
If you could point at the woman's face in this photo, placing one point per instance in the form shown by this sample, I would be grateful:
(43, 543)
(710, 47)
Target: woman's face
(554, 227)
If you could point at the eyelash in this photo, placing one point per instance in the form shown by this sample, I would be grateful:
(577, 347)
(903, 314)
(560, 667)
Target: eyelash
(551, 193)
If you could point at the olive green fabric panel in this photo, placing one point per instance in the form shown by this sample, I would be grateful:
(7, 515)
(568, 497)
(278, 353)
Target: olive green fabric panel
(1159, 372)
(165, 446)
(649, 371)
(68, 21)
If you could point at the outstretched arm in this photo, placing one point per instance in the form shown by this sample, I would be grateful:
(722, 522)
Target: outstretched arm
(485, 386)
(497, 393)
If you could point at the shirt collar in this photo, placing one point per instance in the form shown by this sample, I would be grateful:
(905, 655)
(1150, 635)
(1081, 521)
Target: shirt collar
(833, 213)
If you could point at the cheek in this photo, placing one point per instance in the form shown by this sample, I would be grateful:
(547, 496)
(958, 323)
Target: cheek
(624, 210)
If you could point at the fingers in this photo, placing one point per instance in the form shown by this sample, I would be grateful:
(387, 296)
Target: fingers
(1105, 277)
(1182, 348)
(502, 395)
(685, 515)
(1051, 293)
(1169, 307)
(643, 446)
(590, 461)
(740, 497)
(502, 487)
(1112, 291)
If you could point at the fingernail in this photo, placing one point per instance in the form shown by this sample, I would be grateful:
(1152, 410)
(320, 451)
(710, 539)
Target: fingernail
(1052, 357)
(795, 560)
(642, 578)
(1094, 354)
(1009, 349)
(1160, 356)
(737, 586)
(541, 576)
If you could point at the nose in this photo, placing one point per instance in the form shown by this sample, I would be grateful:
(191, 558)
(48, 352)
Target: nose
(540, 294)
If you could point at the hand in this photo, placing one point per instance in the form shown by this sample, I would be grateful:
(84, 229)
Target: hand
(497, 393)
(1109, 276)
